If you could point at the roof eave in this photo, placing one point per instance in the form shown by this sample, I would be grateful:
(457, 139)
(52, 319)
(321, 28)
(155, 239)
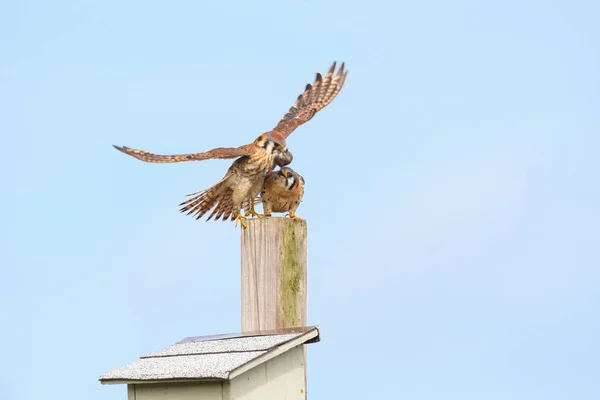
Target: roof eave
(140, 381)
(311, 336)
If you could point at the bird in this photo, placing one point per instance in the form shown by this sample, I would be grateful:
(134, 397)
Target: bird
(282, 192)
(244, 179)
(242, 182)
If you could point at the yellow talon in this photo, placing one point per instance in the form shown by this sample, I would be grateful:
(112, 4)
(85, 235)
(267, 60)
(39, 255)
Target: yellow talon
(294, 216)
(240, 218)
(254, 213)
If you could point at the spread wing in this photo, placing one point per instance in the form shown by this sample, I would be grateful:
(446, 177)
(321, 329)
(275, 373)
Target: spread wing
(219, 152)
(314, 98)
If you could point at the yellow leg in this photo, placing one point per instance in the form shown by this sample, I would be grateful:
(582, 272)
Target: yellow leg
(240, 218)
(253, 211)
(294, 216)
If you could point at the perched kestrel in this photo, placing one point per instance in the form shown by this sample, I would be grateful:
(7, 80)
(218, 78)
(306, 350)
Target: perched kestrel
(282, 192)
(244, 180)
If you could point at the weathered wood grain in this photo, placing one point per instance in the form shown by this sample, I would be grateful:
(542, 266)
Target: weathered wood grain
(273, 274)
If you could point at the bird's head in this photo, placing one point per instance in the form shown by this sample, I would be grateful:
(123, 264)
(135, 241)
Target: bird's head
(288, 178)
(272, 142)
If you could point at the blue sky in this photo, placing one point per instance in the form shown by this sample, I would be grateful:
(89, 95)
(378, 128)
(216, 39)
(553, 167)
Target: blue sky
(452, 193)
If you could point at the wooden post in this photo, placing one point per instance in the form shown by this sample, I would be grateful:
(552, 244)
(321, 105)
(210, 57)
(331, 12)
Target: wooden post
(273, 274)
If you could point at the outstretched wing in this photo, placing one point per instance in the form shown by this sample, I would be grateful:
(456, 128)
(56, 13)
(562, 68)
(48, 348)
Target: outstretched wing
(219, 152)
(314, 98)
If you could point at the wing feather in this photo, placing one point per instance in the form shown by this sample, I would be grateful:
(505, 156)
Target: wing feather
(314, 98)
(219, 152)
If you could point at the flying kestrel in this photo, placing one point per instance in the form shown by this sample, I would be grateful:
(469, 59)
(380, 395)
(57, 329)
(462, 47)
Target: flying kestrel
(244, 180)
(282, 192)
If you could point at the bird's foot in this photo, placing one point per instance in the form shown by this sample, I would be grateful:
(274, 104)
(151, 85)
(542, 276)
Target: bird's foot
(294, 216)
(240, 218)
(253, 212)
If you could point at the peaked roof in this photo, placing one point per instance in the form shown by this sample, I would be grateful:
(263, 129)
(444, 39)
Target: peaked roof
(211, 357)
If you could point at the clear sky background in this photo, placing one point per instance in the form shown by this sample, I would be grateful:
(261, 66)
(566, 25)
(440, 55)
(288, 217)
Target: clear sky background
(453, 194)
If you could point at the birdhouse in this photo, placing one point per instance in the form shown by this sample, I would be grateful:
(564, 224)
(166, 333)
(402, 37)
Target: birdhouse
(267, 360)
(261, 366)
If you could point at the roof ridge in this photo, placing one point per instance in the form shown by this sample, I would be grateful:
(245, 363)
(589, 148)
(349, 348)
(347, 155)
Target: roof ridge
(207, 352)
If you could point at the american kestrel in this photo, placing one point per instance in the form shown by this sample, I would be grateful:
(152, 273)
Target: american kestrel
(244, 180)
(282, 192)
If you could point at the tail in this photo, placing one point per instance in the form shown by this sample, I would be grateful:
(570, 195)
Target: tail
(219, 195)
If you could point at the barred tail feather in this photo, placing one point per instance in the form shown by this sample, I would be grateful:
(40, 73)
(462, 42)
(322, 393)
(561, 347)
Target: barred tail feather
(204, 201)
(224, 207)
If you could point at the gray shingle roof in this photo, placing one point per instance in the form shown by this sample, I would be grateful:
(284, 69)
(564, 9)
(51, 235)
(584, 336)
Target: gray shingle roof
(214, 357)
